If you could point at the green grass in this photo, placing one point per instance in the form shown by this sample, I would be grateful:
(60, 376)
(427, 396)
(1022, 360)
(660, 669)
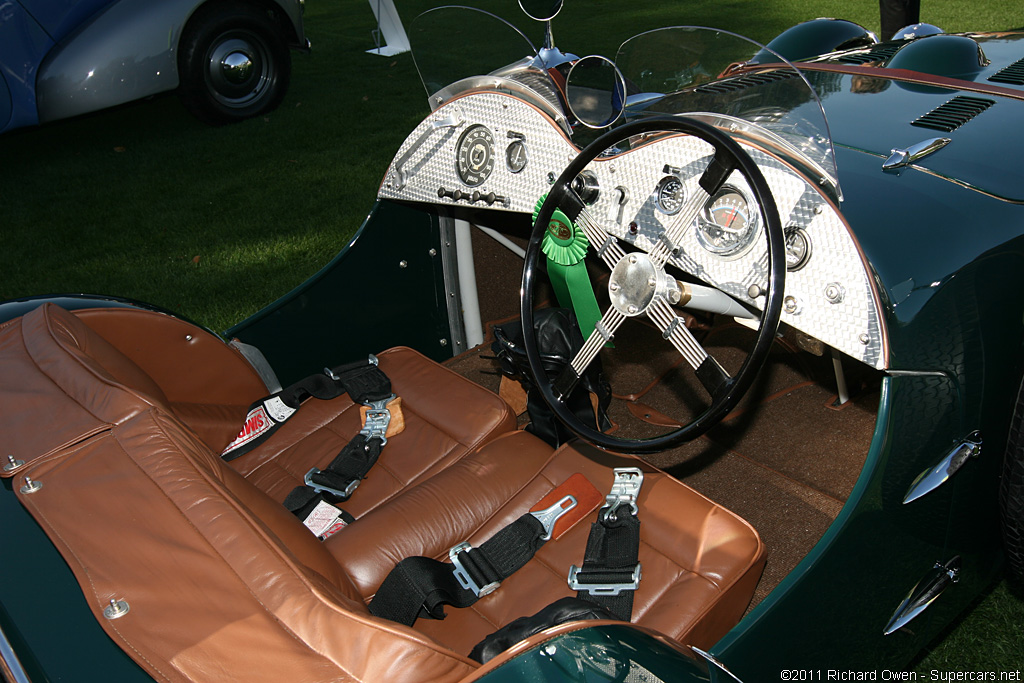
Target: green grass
(147, 203)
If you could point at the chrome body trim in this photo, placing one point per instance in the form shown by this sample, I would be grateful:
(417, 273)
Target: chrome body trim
(931, 479)
(11, 663)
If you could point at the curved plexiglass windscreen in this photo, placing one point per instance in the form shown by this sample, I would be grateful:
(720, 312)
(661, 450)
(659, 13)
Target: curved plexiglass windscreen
(454, 42)
(697, 70)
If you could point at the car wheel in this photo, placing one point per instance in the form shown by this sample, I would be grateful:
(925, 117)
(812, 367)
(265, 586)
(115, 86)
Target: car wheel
(1011, 493)
(234, 64)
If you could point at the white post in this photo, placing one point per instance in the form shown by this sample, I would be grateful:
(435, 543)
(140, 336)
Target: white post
(389, 27)
(467, 284)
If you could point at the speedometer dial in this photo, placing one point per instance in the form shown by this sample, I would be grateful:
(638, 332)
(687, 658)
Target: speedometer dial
(729, 224)
(474, 155)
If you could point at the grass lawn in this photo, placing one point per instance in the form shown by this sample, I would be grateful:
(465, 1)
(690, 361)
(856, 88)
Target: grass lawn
(215, 223)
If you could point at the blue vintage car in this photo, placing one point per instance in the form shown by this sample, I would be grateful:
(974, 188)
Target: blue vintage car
(62, 58)
(700, 361)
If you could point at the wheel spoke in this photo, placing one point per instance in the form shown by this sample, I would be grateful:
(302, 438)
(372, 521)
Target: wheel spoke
(606, 246)
(604, 330)
(708, 370)
(670, 239)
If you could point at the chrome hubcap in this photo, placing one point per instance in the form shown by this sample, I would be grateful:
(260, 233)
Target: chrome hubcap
(236, 67)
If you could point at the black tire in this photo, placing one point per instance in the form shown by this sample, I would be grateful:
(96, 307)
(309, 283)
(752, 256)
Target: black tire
(1011, 494)
(234, 63)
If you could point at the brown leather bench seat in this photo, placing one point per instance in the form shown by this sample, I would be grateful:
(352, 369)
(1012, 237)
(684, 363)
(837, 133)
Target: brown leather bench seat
(224, 584)
(140, 359)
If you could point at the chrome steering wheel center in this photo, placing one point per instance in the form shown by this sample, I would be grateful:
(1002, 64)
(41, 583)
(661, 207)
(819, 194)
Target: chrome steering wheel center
(634, 284)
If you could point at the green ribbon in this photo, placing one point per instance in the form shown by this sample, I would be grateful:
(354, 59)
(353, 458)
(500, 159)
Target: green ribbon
(565, 246)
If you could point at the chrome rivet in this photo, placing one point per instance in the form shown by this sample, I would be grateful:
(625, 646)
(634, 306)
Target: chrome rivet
(652, 282)
(549, 650)
(834, 293)
(613, 286)
(444, 342)
(632, 309)
(791, 305)
(818, 209)
(754, 291)
(632, 259)
(116, 609)
(864, 339)
(12, 464)
(31, 486)
(403, 264)
(432, 252)
(188, 337)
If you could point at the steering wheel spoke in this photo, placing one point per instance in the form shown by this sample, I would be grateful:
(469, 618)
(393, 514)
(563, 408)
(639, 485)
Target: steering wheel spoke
(603, 243)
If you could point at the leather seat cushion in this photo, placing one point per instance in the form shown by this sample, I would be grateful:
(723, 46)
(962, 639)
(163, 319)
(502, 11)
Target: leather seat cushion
(700, 561)
(446, 417)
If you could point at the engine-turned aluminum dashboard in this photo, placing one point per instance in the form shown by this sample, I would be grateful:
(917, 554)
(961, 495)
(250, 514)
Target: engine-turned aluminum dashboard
(495, 151)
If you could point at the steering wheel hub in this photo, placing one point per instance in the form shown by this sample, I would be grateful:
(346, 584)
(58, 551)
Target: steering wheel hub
(634, 284)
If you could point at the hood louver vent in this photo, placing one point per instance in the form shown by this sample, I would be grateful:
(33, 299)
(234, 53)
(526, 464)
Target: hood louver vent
(744, 82)
(876, 53)
(1013, 74)
(953, 114)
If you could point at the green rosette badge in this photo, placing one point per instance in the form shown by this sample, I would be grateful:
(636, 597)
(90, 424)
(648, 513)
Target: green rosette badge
(565, 246)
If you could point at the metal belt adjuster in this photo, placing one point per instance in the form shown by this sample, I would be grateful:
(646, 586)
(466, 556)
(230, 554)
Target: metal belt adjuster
(378, 417)
(549, 516)
(463, 576)
(603, 588)
(320, 488)
(625, 489)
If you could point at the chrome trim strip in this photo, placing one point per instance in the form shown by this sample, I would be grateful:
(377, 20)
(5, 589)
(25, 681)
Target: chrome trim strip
(933, 478)
(10, 661)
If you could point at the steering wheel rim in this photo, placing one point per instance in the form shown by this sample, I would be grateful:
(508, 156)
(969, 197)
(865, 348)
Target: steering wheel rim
(729, 156)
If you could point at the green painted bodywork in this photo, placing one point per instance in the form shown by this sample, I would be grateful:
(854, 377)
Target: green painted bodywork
(601, 654)
(363, 301)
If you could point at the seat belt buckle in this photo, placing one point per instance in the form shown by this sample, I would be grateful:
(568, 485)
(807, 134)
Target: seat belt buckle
(603, 588)
(344, 494)
(625, 489)
(378, 418)
(462, 574)
(549, 516)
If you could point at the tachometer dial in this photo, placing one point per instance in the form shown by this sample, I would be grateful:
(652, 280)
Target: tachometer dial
(670, 195)
(474, 155)
(729, 224)
(798, 248)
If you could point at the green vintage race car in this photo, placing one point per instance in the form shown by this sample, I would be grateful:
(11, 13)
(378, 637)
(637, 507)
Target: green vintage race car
(797, 405)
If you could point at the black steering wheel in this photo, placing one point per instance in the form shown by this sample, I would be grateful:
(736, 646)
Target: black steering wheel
(639, 284)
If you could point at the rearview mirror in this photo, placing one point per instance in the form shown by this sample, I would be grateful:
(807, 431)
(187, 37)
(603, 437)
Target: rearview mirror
(596, 91)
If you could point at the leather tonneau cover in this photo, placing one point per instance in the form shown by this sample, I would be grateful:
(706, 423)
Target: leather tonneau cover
(142, 514)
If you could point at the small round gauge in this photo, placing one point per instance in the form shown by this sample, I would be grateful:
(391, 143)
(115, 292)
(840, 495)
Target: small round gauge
(516, 156)
(798, 248)
(474, 155)
(670, 195)
(730, 223)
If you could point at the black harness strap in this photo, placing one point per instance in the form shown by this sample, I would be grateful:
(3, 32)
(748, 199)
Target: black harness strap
(611, 562)
(363, 381)
(611, 568)
(421, 586)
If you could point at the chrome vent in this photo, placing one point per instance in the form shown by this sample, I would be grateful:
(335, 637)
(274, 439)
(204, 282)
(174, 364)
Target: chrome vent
(953, 114)
(1013, 74)
(876, 53)
(744, 82)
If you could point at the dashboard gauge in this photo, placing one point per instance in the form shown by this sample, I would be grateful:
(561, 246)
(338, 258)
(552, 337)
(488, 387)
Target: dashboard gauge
(730, 223)
(516, 156)
(670, 195)
(798, 248)
(474, 155)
